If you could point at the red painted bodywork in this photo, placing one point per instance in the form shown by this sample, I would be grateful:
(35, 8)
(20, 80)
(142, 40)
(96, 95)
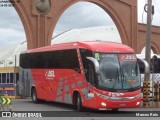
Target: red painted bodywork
(47, 88)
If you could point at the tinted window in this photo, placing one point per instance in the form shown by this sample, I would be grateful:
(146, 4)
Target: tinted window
(141, 66)
(11, 77)
(17, 77)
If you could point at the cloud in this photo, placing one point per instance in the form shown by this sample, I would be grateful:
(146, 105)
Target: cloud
(10, 18)
(79, 15)
(11, 36)
(142, 15)
(11, 28)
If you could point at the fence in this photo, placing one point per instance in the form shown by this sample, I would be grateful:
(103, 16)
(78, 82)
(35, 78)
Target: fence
(151, 94)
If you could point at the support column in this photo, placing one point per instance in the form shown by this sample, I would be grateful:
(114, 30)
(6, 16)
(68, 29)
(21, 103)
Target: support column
(146, 93)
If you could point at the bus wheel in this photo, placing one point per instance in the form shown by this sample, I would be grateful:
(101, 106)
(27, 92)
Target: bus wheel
(79, 103)
(34, 96)
(115, 110)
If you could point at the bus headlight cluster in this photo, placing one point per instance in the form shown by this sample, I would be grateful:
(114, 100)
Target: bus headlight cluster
(102, 96)
(137, 103)
(103, 104)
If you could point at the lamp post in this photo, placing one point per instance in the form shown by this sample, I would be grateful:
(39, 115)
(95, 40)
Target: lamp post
(146, 83)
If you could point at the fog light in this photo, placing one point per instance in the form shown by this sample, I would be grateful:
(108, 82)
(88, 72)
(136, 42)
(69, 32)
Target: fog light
(138, 103)
(103, 104)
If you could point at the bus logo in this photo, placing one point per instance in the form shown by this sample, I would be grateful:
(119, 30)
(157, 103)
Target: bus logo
(115, 94)
(50, 75)
(127, 57)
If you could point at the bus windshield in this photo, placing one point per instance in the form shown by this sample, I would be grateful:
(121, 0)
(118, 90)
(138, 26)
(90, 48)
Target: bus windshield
(118, 72)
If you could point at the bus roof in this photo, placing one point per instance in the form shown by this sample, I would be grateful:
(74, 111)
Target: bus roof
(99, 46)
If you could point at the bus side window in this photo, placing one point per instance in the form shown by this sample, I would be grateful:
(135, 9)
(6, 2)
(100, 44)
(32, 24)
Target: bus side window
(91, 74)
(88, 66)
(85, 53)
(141, 67)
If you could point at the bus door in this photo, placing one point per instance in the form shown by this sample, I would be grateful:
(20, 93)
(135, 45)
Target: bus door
(49, 88)
(25, 84)
(39, 81)
(155, 69)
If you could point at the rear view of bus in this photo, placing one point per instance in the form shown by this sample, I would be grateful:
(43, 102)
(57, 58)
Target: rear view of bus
(105, 75)
(114, 76)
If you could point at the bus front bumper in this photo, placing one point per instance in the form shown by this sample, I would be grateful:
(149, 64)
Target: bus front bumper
(107, 104)
(126, 102)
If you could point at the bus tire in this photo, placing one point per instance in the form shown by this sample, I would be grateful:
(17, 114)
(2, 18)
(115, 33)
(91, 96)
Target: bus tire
(78, 103)
(114, 110)
(34, 96)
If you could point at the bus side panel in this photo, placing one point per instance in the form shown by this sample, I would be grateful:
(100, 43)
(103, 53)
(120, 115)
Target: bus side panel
(59, 84)
(25, 82)
(69, 82)
(40, 83)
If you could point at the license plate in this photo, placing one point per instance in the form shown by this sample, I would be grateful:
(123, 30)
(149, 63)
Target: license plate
(122, 105)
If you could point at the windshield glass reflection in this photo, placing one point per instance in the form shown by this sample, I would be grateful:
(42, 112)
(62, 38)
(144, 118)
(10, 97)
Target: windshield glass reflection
(118, 71)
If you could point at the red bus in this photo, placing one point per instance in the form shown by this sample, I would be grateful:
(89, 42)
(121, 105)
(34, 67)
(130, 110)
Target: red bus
(98, 75)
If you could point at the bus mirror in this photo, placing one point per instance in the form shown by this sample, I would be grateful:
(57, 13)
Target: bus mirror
(155, 64)
(95, 62)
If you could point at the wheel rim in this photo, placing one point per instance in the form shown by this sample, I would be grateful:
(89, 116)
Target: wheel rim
(78, 103)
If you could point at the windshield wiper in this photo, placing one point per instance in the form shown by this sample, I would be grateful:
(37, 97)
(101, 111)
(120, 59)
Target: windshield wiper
(122, 77)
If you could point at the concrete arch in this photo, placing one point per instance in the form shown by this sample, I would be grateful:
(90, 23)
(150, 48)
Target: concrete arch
(154, 40)
(155, 48)
(27, 24)
(39, 27)
(107, 8)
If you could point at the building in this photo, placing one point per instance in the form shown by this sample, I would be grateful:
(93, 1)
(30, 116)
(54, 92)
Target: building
(9, 57)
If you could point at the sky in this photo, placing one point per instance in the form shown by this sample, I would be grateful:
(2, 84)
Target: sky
(12, 31)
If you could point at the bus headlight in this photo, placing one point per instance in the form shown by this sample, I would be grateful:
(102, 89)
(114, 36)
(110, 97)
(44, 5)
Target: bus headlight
(118, 98)
(137, 103)
(91, 95)
(137, 96)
